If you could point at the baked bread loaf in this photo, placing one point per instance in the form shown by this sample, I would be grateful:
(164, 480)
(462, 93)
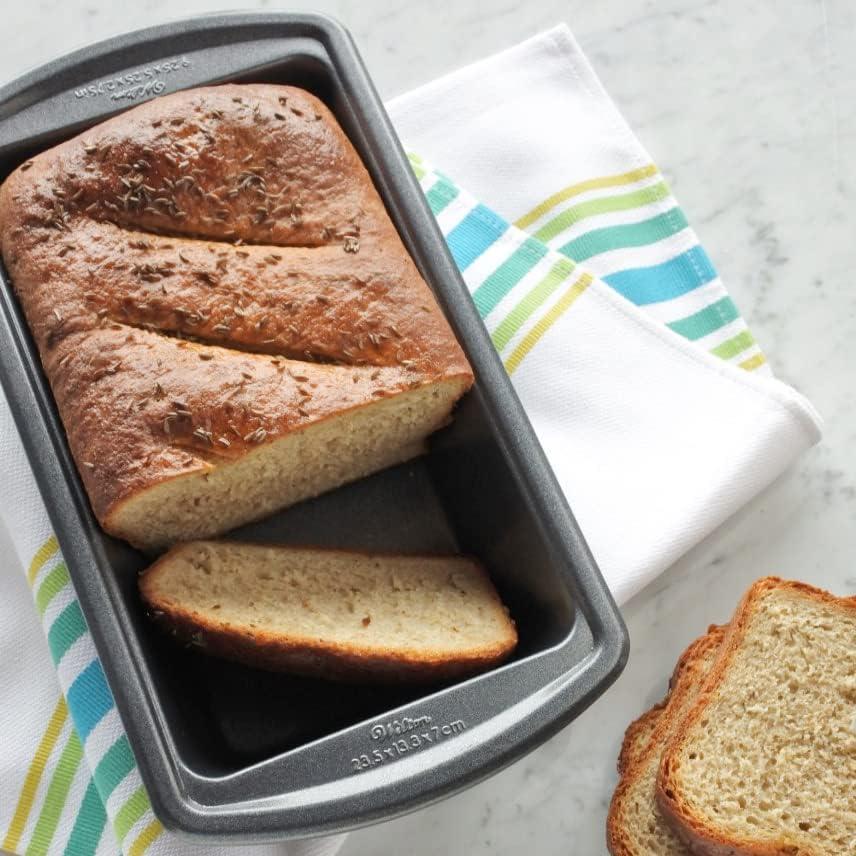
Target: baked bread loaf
(635, 825)
(765, 760)
(329, 613)
(226, 315)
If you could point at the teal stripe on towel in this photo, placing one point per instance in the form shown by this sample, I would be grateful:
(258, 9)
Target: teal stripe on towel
(507, 275)
(706, 320)
(440, 195)
(626, 235)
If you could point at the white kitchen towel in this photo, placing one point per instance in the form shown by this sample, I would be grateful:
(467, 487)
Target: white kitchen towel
(656, 407)
(533, 136)
(654, 440)
(655, 432)
(68, 780)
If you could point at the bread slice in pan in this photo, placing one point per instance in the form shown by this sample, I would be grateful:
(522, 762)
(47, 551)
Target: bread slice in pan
(765, 761)
(635, 826)
(225, 312)
(329, 613)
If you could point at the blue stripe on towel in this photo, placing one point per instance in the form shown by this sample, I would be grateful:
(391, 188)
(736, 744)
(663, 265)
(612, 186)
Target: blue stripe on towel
(665, 281)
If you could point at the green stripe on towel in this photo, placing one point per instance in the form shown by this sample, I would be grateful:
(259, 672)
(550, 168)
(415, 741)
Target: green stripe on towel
(604, 205)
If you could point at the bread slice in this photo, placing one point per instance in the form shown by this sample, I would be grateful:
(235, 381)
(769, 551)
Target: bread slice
(765, 761)
(638, 735)
(635, 826)
(226, 314)
(330, 613)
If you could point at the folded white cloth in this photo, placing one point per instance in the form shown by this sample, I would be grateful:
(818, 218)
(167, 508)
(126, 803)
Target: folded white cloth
(655, 406)
(622, 344)
(534, 137)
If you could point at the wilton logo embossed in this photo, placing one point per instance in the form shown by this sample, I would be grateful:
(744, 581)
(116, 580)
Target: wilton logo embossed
(133, 85)
(395, 727)
(404, 736)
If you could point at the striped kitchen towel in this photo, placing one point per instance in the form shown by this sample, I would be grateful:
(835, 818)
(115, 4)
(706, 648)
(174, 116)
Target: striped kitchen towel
(645, 251)
(651, 434)
(69, 783)
(532, 134)
(621, 342)
(654, 403)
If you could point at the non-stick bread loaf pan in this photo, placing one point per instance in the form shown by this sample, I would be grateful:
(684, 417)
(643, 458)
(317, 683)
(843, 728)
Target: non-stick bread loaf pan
(228, 753)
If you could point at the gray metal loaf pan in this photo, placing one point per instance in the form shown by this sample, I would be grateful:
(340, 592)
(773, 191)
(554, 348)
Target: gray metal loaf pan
(232, 754)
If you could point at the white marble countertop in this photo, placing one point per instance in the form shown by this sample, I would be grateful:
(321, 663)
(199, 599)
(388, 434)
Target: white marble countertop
(748, 109)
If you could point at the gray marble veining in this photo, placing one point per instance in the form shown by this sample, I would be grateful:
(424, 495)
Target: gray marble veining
(749, 110)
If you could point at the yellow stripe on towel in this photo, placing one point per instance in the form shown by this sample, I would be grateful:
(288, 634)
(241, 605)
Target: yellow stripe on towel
(582, 187)
(528, 342)
(34, 775)
(42, 555)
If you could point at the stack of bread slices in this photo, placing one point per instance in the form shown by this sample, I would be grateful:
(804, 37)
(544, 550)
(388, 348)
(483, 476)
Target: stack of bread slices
(753, 751)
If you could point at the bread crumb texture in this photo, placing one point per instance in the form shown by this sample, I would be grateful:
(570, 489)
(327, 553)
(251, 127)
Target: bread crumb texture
(636, 826)
(768, 758)
(226, 314)
(374, 612)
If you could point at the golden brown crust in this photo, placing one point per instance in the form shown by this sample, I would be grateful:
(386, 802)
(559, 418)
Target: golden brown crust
(699, 837)
(637, 736)
(239, 217)
(690, 670)
(316, 657)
